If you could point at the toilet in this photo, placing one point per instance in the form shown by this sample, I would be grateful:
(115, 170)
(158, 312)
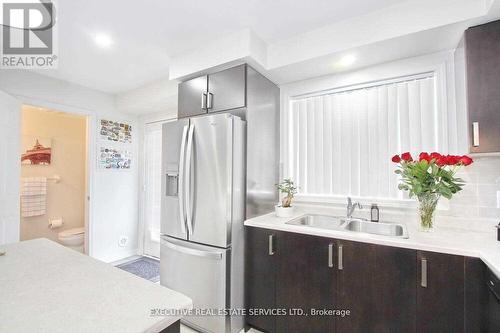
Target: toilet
(72, 238)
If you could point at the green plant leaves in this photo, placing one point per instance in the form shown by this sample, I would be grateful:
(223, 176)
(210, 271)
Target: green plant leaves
(287, 187)
(420, 178)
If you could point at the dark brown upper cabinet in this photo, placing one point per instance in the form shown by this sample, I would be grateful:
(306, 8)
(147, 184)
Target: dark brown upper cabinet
(482, 56)
(221, 91)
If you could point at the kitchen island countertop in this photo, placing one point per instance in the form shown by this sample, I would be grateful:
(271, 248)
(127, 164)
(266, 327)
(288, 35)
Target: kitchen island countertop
(45, 287)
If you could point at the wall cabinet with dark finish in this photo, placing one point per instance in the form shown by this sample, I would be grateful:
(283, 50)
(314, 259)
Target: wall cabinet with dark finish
(220, 91)
(482, 57)
(386, 289)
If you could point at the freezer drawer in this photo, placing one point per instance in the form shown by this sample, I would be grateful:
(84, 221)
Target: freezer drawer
(199, 272)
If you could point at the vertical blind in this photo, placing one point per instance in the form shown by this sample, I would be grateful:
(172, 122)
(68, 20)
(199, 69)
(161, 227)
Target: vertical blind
(152, 181)
(340, 143)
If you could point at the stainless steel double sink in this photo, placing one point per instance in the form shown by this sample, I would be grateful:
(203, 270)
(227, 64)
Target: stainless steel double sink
(351, 225)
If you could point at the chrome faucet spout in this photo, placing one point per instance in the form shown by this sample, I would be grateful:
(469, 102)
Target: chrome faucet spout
(351, 207)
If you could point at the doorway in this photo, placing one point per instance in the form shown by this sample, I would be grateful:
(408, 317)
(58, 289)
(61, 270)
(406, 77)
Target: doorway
(54, 176)
(151, 203)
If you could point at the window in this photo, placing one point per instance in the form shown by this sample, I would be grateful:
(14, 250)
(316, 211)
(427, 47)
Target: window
(340, 142)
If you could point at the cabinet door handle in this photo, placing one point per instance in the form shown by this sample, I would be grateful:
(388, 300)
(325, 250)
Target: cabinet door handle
(341, 258)
(210, 98)
(330, 255)
(423, 278)
(204, 101)
(475, 134)
(271, 245)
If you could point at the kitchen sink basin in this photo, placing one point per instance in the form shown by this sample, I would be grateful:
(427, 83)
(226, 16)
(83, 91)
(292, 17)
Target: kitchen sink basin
(351, 225)
(377, 228)
(319, 221)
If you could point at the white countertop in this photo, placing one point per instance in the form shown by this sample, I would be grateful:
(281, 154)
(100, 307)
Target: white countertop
(45, 287)
(445, 239)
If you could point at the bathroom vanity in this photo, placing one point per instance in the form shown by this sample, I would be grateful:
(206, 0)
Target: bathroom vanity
(46, 287)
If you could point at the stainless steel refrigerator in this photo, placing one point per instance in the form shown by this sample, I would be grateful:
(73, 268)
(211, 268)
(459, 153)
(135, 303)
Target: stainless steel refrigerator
(203, 207)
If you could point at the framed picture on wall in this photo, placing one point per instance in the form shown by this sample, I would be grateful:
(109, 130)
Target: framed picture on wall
(115, 131)
(114, 158)
(36, 150)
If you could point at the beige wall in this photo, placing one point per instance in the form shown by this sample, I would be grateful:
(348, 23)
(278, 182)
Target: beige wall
(65, 199)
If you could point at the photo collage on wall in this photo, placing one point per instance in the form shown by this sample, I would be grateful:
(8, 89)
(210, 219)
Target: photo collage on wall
(115, 152)
(115, 131)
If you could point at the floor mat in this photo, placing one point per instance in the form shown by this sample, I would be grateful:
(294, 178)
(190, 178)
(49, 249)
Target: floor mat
(146, 268)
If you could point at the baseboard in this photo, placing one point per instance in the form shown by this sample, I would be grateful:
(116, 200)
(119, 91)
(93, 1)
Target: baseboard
(119, 256)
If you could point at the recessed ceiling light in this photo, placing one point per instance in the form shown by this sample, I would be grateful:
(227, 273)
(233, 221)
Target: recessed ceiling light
(346, 60)
(103, 40)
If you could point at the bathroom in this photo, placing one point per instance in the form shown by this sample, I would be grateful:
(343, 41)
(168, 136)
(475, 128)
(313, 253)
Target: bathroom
(54, 176)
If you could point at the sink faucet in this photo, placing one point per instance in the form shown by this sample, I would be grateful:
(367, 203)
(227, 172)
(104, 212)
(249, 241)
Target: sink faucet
(351, 207)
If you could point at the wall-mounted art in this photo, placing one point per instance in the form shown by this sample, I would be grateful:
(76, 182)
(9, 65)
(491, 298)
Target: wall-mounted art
(36, 150)
(116, 159)
(115, 131)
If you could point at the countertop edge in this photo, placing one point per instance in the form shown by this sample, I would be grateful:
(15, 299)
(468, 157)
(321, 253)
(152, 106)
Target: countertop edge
(279, 225)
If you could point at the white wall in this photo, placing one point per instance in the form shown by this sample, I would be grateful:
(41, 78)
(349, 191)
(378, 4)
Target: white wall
(480, 199)
(158, 97)
(113, 195)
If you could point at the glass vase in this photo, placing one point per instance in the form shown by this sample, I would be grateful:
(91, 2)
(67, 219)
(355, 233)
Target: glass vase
(427, 204)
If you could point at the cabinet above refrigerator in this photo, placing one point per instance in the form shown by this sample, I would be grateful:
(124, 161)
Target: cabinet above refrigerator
(221, 91)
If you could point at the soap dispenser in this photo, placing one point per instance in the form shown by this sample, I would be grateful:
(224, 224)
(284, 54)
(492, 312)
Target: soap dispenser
(374, 213)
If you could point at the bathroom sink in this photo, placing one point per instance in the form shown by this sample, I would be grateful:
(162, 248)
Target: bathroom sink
(319, 221)
(377, 228)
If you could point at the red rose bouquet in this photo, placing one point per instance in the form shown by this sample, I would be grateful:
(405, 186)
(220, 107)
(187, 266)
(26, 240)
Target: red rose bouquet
(428, 178)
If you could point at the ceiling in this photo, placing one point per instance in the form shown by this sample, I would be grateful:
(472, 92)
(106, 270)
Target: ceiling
(146, 34)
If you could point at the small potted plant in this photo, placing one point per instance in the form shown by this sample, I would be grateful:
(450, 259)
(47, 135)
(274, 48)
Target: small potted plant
(429, 178)
(287, 189)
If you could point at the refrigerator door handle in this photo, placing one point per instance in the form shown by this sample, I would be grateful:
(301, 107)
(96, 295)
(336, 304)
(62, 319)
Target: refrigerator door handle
(187, 185)
(193, 252)
(181, 179)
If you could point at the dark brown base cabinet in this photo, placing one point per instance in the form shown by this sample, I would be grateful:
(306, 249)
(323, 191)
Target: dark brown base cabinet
(377, 284)
(302, 288)
(260, 277)
(385, 289)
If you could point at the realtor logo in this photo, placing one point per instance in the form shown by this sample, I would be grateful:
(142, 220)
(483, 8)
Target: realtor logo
(28, 35)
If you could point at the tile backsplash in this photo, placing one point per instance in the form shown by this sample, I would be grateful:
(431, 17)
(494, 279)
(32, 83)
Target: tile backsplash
(480, 198)
(476, 207)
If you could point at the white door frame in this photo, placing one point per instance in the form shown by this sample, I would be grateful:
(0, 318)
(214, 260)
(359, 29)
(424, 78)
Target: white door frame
(10, 212)
(142, 173)
(91, 157)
